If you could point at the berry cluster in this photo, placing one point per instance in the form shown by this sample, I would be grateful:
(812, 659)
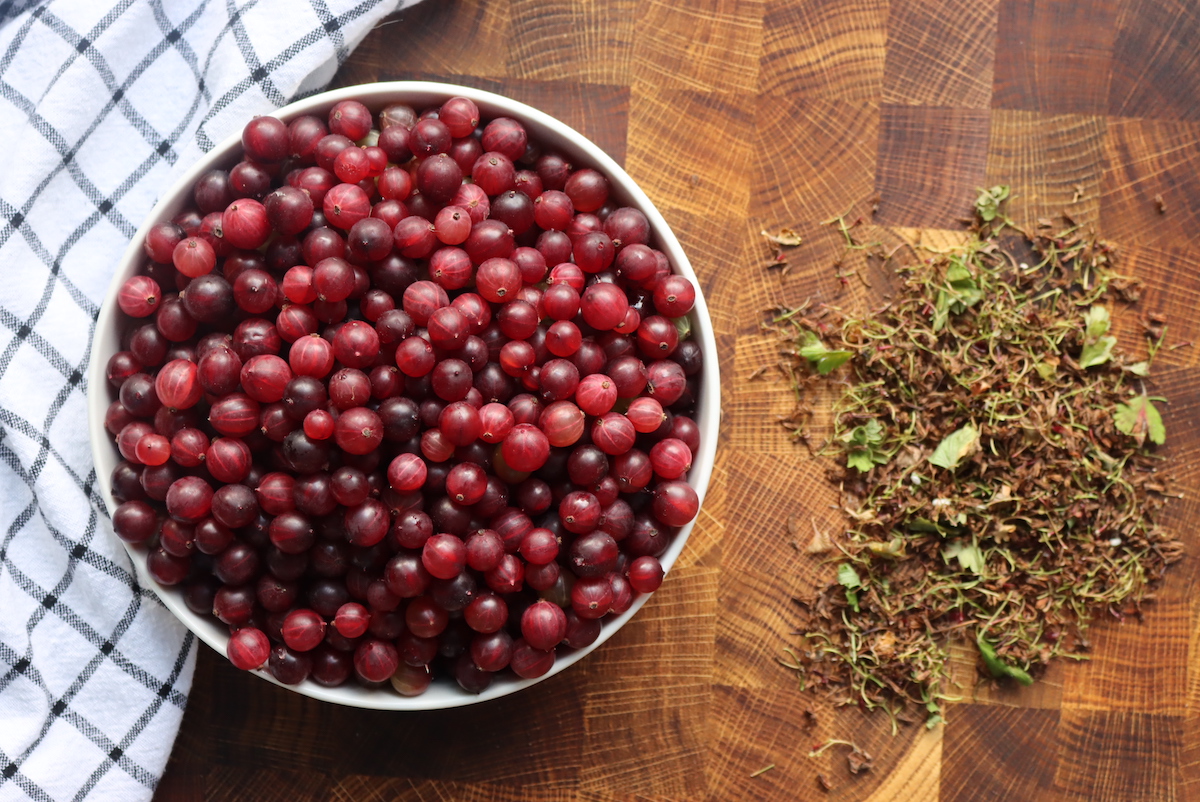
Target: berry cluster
(404, 394)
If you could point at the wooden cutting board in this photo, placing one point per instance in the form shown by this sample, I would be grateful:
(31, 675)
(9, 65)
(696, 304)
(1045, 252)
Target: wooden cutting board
(740, 115)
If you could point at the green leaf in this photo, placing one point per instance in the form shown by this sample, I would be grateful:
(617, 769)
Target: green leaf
(868, 434)
(1097, 353)
(862, 443)
(832, 361)
(821, 356)
(1140, 419)
(1096, 322)
(962, 285)
(893, 548)
(1139, 368)
(1045, 370)
(852, 598)
(969, 555)
(813, 349)
(958, 272)
(924, 525)
(941, 310)
(960, 293)
(997, 667)
(988, 202)
(860, 459)
(848, 578)
(956, 447)
(1097, 346)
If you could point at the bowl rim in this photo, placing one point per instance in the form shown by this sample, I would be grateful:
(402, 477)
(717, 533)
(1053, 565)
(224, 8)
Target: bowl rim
(415, 93)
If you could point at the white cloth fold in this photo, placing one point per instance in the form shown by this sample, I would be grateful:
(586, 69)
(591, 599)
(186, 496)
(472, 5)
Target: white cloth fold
(102, 104)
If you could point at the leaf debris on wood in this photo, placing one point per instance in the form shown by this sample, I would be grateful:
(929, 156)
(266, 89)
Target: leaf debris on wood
(996, 460)
(785, 239)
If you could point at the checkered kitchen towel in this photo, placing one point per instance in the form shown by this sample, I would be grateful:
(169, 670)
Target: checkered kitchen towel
(102, 104)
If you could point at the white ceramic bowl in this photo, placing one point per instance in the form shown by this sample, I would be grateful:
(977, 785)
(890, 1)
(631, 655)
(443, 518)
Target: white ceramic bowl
(554, 135)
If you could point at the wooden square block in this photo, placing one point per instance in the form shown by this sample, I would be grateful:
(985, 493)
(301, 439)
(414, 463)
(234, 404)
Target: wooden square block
(753, 728)
(296, 783)
(1171, 288)
(998, 753)
(917, 769)
(471, 744)
(932, 162)
(648, 695)
(1052, 163)
(559, 40)
(702, 45)
(1041, 68)
(756, 617)
(940, 56)
(755, 405)
(462, 38)
(1189, 758)
(1147, 159)
(1155, 70)
(1138, 667)
(813, 159)
(707, 177)
(362, 787)
(243, 731)
(830, 50)
(1129, 756)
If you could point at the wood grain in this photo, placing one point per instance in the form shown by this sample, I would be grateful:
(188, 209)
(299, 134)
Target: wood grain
(1154, 71)
(931, 162)
(940, 53)
(1055, 162)
(1036, 71)
(742, 115)
(564, 40)
(1145, 159)
(702, 45)
(1110, 755)
(998, 754)
(829, 50)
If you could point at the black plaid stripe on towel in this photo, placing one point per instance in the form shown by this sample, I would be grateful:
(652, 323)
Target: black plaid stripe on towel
(101, 105)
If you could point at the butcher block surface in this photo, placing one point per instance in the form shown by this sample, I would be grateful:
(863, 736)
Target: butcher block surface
(742, 115)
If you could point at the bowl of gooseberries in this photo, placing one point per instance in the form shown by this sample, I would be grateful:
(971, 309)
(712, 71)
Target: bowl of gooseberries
(404, 397)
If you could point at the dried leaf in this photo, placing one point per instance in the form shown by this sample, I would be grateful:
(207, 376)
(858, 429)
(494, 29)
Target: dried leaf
(820, 543)
(1023, 535)
(786, 237)
(859, 761)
